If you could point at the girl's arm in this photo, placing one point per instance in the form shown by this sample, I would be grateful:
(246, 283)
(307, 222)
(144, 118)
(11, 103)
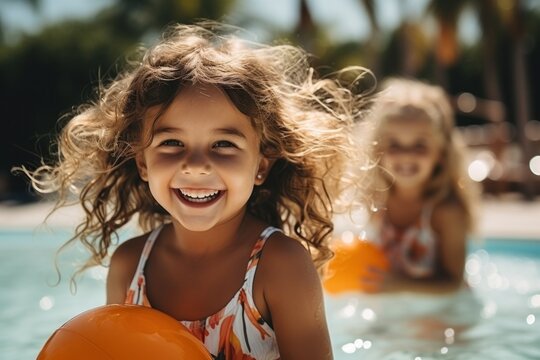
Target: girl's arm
(449, 224)
(293, 294)
(122, 268)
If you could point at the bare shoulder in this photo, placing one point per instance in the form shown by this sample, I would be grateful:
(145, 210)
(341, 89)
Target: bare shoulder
(283, 254)
(287, 267)
(294, 298)
(129, 251)
(122, 268)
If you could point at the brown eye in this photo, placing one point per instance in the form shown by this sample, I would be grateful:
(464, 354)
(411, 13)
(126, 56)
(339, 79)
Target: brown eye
(394, 148)
(223, 144)
(171, 142)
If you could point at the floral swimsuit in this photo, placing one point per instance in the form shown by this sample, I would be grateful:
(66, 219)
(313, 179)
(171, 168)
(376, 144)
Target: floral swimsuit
(412, 250)
(237, 331)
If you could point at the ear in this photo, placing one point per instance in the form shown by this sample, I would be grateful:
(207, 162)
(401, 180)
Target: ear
(265, 165)
(141, 166)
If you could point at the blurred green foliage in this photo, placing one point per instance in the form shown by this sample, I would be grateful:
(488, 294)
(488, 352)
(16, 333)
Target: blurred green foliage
(44, 75)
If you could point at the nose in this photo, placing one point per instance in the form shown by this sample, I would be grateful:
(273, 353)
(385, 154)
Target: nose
(196, 163)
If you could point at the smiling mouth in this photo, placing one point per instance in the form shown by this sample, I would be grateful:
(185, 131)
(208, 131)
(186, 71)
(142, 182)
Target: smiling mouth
(406, 170)
(198, 196)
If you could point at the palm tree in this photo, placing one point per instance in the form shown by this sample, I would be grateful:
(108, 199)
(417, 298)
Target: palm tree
(446, 13)
(373, 43)
(521, 91)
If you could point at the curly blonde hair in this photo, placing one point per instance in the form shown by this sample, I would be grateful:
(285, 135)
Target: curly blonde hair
(303, 123)
(402, 98)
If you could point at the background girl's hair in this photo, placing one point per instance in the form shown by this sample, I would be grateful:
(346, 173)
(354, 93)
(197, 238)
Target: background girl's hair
(405, 98)
(303, 123)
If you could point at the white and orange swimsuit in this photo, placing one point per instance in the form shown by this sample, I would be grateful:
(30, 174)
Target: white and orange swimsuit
(237, 331)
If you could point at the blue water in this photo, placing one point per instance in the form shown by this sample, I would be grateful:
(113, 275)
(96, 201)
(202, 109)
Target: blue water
(31, 306)
(498, 318)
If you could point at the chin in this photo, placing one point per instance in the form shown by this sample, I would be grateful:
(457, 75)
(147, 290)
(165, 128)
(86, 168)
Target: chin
(408, 182)
(196, 226)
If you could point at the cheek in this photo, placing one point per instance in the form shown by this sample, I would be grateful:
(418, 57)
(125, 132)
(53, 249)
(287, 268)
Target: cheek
(240, 163)
(389, 159)
(160, 171)
(159, 166)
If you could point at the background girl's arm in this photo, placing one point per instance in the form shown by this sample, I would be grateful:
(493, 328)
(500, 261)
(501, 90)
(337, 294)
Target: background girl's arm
(449, 222)
(293, 293)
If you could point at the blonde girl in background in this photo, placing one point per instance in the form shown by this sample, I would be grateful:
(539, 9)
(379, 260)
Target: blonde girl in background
(424, 202)
(230, 155)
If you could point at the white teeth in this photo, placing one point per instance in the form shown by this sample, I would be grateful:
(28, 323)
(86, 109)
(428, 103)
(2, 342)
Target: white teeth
(406, 170)
(199, 195)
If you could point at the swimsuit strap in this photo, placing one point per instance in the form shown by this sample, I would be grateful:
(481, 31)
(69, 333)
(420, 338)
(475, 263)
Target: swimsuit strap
(252, 263)
(256, 255)
(150, 241)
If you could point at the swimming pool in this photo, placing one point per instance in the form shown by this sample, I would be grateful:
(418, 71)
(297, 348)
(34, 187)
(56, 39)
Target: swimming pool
(499, 318)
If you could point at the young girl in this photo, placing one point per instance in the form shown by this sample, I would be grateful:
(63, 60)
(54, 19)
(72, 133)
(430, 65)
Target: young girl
(230, 154)
(424, 202)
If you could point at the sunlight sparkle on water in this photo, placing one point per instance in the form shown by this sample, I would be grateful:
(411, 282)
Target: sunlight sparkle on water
(490, 309)
(472, 266)
(534, 301)
(352, 347)
(46, 303)
(369, 314)
(99, 272)
(495, 281)
(348, 348)
(449, 336)
(348, 311)
(474, 280)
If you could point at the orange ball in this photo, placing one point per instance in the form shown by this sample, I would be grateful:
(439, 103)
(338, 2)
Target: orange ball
(349, 265)
(123, 332)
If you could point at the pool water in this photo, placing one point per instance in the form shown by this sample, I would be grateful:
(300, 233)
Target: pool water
(497, 318)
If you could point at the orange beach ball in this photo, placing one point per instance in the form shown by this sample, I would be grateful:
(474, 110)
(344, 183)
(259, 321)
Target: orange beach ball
(123, 332)
(352, 257)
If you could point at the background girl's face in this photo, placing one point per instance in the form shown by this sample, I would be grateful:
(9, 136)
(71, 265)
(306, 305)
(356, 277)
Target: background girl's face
(410, 150)
(203, 160)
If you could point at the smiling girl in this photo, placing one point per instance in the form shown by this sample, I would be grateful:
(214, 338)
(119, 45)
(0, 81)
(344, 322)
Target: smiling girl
(231, 155)
(424, 200)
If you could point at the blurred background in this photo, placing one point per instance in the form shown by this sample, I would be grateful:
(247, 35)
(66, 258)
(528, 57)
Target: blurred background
(485, 53)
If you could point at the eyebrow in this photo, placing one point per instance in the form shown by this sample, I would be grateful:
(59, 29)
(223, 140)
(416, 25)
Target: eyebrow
(164, 130)
(227, 131)
(231, 131)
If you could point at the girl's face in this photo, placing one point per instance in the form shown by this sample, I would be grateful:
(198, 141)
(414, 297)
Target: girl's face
(204, 158)
(411, 149)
